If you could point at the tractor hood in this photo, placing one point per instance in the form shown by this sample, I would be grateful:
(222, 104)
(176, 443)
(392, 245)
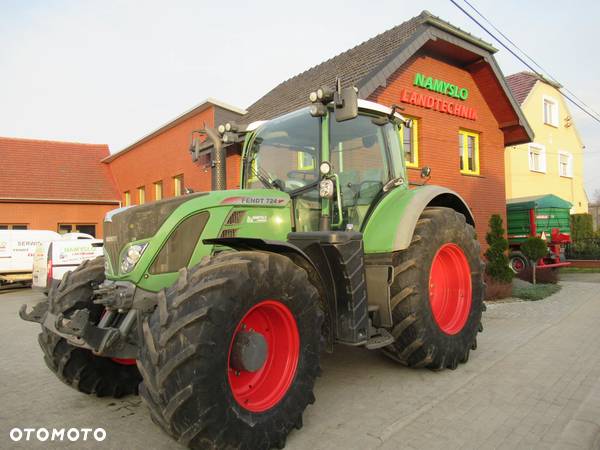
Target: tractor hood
(148, 244)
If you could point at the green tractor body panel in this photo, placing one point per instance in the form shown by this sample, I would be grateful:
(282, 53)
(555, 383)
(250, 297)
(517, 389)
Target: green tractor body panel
(257, 213)
(148, 244)
(390, 226)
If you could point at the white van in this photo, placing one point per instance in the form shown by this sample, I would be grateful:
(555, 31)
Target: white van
(17, 248)
(53, 259)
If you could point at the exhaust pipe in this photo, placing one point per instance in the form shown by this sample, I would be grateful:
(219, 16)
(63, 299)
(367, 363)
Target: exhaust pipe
(218, 169)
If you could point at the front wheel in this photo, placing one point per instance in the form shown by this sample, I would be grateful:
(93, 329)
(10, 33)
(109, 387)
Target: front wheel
(437, 293)
(231, 353)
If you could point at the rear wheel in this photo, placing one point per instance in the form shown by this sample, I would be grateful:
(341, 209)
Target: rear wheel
(231, 354)
(77, 367)
(518, 262)
(437, 293)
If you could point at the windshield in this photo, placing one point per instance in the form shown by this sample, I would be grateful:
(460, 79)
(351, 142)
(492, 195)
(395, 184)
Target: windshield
(284, 153)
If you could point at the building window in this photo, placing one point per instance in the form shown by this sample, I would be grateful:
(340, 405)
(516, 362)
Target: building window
(13, 226)
(537, 158)
(178, 185)
(410, 142)
(158, 190)
(565, 164)
(468, 152)
(141, 195)
(305, 161)
(87, 228)
(550, 111)
(127, 198)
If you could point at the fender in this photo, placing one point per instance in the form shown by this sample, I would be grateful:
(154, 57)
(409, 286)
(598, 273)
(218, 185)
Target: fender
(396, 215)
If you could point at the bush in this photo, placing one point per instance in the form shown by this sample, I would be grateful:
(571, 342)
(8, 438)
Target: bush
(496, 290)
(534, 248)
(536, 292)
(497, 261)
(582, 226)
(543, 276)
(584, 249)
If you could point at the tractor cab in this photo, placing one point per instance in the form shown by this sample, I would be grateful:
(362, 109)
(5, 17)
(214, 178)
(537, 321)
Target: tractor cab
(334, 171)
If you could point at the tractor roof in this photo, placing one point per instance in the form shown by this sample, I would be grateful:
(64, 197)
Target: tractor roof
(363, 105)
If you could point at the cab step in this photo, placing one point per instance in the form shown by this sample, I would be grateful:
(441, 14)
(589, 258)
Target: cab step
(380, 337)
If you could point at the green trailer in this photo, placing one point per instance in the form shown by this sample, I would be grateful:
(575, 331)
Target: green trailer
(544, 216)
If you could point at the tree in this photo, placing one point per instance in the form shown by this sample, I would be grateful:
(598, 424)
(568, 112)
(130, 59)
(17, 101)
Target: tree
(497, 266)
(596, 197)
(534, 248)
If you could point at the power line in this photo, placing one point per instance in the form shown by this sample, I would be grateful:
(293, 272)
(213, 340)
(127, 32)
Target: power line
(521, 59)
(529, 57)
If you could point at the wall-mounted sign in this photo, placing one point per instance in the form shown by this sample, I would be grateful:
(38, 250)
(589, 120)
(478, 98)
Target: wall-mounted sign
(441, 87)
(437, 104)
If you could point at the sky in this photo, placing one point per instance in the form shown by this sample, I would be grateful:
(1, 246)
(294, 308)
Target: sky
(112, 71)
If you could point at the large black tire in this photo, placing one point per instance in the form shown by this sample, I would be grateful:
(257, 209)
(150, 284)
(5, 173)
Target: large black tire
(185, 357)
(419, 339)
(77, 367)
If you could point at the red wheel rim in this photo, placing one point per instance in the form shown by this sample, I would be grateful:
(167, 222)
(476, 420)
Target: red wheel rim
(261, 390)
(450, 288)
(124, 361)
(517, 264)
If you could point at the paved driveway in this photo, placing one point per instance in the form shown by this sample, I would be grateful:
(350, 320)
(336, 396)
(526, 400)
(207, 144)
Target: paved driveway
(534, 382)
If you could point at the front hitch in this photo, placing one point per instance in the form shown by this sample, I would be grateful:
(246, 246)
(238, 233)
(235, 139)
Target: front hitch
(37, 313)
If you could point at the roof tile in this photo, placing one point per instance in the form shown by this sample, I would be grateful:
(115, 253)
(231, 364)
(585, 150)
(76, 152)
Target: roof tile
(39, 169)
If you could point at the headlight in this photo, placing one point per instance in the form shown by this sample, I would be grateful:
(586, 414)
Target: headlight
(131, 257)
(326, 188)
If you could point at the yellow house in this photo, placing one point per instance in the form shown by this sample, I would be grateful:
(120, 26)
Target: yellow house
(553, 163)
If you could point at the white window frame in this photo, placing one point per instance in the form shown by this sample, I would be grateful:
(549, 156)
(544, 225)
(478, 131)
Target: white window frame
(542, 154)
(555, 111)
(569, 155)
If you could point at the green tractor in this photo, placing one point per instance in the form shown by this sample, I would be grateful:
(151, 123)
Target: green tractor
(218, 305)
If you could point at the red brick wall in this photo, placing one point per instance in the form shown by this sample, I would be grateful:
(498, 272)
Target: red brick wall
(47, 216)
(166, 156)
(438, 137)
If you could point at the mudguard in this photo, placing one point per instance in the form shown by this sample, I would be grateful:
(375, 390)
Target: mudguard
(391, 224)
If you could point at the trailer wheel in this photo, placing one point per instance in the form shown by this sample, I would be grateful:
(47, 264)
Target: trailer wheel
(231, 354)
(77, 367)
(518, 262)
(437, 293)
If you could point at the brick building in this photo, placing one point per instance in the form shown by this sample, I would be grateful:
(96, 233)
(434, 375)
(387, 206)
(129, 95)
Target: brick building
(449, 83)
(159, 166)
(59, 186)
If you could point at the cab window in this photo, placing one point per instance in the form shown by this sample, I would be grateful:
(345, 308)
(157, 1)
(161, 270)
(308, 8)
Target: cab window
(358, 157)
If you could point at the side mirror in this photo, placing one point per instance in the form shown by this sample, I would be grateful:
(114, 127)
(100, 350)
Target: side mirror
(426, 172)
(346, 104)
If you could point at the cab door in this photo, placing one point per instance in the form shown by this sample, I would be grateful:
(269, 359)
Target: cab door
(359, 157)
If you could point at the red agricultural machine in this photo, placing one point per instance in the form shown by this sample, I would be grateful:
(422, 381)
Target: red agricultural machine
(544, 216)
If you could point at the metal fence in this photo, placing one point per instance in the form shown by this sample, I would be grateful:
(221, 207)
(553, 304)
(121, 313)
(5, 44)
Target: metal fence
(583, 249)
